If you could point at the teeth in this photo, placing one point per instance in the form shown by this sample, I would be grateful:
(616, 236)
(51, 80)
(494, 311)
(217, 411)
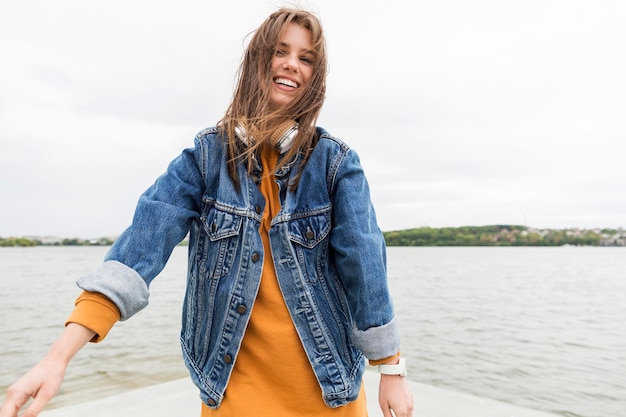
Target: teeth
(286, 82)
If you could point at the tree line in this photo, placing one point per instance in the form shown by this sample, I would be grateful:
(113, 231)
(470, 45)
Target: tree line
(25, 242)
(504, 235)
(497, 235)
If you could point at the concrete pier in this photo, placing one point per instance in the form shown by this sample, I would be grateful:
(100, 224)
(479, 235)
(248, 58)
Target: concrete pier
(179, 398)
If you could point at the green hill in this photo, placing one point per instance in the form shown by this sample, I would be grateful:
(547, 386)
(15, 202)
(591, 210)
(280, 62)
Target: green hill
(497, 235)
(504, 235)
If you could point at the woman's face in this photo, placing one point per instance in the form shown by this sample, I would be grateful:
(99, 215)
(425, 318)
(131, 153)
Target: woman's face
(292, 65)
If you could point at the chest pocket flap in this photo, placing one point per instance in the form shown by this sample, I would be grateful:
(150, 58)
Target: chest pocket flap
(311, 230)
(220, 224)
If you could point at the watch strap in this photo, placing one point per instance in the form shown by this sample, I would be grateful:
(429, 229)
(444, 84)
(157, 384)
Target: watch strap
(399, 369)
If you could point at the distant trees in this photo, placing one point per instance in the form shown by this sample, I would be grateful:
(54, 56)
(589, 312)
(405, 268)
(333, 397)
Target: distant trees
(24, 242)
(497, 235)
(17, 241)
(104, 241)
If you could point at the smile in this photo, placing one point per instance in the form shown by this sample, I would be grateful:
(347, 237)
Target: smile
(286, 82)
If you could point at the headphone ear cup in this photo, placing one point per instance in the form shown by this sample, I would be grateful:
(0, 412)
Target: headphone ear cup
(284, 135)
(242, 134)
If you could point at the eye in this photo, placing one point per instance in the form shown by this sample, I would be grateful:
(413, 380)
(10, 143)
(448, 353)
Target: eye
(280, 52)
(307, 60)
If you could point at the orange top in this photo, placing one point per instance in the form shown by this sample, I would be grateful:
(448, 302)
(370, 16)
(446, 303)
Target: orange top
(272, 372)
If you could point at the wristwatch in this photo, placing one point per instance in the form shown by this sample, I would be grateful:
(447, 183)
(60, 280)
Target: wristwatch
(399, 369)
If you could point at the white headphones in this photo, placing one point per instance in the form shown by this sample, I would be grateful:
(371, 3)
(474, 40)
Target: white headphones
(282, 138)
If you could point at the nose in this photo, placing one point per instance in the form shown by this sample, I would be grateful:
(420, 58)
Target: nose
(291, 63)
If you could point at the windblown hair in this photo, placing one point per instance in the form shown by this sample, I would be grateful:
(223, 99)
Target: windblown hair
(250, 106)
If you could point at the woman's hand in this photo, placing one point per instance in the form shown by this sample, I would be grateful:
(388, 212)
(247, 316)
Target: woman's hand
(394, 394)
(40, 383)
(43, 381)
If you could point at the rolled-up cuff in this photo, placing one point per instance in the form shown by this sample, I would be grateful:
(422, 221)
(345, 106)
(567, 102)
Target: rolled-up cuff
(120, 284)
(378, 342)
(376, 362)
(95, 312)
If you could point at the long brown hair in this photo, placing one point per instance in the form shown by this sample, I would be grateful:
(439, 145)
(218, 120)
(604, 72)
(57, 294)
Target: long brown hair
(250, 106)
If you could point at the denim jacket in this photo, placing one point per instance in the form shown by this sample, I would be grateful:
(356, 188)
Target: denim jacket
(327, 249)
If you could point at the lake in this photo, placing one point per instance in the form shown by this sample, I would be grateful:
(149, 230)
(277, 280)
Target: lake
(540, 327)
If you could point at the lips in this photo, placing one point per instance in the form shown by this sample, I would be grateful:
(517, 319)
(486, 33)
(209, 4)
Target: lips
(286, 82)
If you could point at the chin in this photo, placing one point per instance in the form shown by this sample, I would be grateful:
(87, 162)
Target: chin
(278, 104)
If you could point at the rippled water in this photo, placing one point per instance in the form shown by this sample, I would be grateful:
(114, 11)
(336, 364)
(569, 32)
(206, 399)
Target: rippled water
(543, 328)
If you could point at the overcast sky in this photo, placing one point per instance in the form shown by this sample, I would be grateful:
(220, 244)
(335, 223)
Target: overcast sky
(463, 112)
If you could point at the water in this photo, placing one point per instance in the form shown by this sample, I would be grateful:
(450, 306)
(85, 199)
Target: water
(543, 328)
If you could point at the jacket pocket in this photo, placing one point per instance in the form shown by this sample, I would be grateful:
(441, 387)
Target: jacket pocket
(308, 237)
(309, 231)
(222, 229)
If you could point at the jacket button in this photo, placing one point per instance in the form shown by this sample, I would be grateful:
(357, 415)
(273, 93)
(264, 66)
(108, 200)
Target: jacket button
(255, 257)
(212, 402)
(228, 359)
(257, 209)
(241, 309)
(309, 235)
(213, 227)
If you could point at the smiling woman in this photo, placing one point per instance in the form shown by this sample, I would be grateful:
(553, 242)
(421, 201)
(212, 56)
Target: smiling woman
(287, 290)
(282, 78)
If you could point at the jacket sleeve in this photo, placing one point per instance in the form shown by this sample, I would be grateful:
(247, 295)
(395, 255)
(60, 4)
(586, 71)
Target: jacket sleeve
(360, 258)
(162, 219)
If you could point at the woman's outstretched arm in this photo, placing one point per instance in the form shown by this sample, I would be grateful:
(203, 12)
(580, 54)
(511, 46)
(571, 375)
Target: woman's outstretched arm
(44, 380)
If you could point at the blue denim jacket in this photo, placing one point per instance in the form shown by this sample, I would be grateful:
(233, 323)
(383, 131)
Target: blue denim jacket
(327, 249)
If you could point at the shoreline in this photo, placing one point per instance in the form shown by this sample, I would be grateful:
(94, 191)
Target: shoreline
(180, 397)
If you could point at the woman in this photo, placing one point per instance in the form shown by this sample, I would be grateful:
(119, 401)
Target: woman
(286, 291)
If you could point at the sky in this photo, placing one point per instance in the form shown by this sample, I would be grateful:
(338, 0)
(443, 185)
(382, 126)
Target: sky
(462, 112)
